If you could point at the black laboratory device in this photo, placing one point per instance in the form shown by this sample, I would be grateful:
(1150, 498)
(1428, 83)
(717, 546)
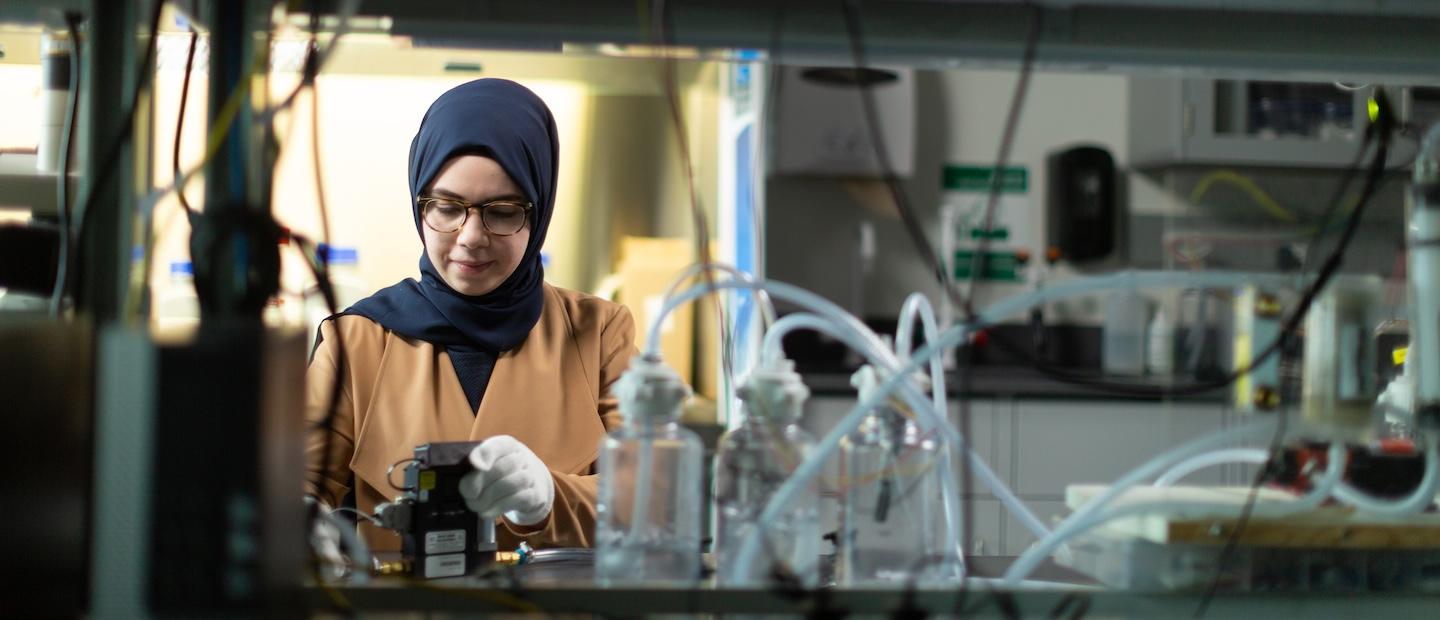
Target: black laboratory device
(440, 536)
(1082, 203)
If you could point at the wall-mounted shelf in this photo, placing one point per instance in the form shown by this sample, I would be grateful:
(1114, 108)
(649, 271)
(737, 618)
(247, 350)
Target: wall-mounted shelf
(1318, 125)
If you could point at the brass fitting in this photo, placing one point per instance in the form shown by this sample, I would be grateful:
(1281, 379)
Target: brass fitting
(1266, 397)
(391, 567)
(1267, 306)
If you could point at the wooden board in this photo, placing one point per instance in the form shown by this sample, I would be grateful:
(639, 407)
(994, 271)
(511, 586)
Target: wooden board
(1209, 515)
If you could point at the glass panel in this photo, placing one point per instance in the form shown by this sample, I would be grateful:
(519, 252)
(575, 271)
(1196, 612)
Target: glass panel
(1283, 109)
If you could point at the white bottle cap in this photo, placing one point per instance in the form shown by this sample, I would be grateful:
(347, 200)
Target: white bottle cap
(650, 390)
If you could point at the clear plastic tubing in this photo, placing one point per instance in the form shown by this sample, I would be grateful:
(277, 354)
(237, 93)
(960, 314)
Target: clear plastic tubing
(1077, 521)
(952, 337)
(1130, 279)
(950, 499)
(917, 305)
(1211, 459)
(1311, 500)
(772, 349)
(789, 292)
(988, 477)
(767, 308)
(1418, 500)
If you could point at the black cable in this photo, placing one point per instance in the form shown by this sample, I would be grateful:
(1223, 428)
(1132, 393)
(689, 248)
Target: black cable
(180, 117)
(1382, 126)
(319, 260)
(1292, 323)
(1380, 130)
(664, 37)
(1227, 553)
(110, 162)
(916, 230)
(923, 247)
(67, 148)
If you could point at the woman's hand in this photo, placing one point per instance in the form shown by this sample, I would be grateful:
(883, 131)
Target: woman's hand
(510, 480)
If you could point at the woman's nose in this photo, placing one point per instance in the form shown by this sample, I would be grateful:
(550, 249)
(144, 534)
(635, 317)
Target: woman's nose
(473, 233)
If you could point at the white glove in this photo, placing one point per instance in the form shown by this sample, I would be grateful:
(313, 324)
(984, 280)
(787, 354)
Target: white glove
(325, 540)
(510, 480)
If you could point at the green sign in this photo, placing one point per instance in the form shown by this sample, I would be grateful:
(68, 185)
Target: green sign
(998, 266)
(1015, 180)
(998, 234)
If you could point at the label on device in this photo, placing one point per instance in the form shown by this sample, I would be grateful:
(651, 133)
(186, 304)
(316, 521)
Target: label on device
(444, 541)
(444, 566)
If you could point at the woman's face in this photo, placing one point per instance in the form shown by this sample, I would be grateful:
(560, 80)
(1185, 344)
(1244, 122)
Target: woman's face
(472, 260)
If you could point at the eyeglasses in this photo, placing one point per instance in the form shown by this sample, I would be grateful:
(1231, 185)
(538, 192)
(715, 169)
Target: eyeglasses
(500, 217)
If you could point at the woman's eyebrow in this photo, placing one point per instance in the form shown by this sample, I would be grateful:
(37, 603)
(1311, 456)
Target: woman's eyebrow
(441, 192)
(445, 193)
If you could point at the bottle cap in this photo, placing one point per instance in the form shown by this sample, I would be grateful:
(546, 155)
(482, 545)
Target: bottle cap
(775, 391)
(650, 390)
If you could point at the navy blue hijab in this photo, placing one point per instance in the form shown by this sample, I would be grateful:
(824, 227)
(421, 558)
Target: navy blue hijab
(506, 122)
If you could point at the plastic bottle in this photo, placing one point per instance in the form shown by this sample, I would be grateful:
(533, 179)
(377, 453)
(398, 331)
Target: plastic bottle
(1396, 404)
(1123, 348)
(649, 501)
(349, 286)
(892, 519)
(1160, 356)
(178, 305)
(752, 461)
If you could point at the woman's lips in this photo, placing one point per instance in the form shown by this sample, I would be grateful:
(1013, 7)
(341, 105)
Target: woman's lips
(472, 267)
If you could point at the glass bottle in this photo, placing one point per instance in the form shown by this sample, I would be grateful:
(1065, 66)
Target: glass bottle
(649, 499)
(751, 463)
(892, 520)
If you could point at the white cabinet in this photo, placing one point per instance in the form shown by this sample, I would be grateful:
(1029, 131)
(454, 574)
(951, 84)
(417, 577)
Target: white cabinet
(1059, 443)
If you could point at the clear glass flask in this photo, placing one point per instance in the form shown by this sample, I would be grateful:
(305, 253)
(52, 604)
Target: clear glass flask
(649, 500)
(892, 519)
(751, 463)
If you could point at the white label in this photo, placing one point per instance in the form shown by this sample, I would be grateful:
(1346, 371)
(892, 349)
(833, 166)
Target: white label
(444, 566)
(445, 541)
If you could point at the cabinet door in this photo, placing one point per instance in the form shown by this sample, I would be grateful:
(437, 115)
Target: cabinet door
(1017, 537)
(986, 535)
(1061, 443)
(988, 436)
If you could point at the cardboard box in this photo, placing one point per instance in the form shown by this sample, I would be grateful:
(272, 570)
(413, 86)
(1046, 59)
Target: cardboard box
(647, 266)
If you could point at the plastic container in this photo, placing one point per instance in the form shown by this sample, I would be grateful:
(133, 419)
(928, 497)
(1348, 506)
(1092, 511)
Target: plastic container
(177, 305)
(1160, 354)
(650, 495)
(1123, 348)
(892, 517)
(1339, 390)
(752, 461)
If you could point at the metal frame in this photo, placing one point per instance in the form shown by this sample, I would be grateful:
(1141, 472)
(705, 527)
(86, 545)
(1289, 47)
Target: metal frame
(978, 602)
(1341, 39)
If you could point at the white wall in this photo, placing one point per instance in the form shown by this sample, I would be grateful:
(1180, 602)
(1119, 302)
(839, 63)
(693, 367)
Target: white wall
(961, 116)
(620, 171)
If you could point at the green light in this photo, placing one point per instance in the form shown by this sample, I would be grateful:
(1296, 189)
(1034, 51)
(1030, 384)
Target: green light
(1373, 107)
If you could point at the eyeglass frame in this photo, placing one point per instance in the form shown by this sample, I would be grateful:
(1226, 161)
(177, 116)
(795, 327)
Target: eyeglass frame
(424, 201)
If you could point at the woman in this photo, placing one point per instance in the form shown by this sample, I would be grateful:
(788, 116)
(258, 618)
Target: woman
(481, 347)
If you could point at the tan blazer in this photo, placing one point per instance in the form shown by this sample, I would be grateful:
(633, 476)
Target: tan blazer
(552, 393)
